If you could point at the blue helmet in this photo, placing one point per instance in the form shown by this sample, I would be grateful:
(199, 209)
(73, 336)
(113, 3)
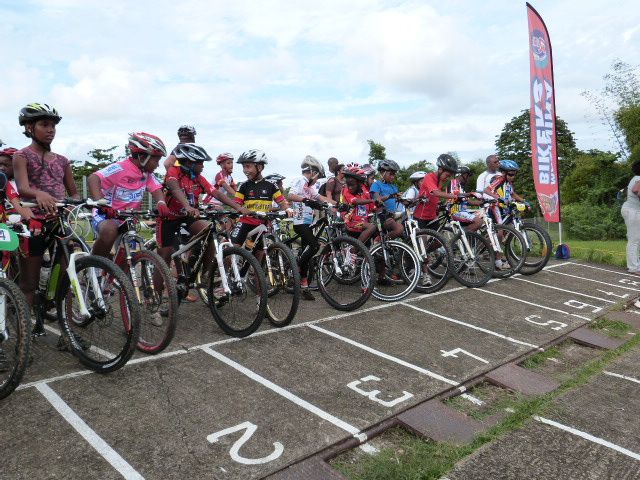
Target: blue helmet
(509, 165)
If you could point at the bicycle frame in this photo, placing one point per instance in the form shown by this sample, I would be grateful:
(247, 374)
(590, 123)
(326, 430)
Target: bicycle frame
(63, 236)
(205, 236)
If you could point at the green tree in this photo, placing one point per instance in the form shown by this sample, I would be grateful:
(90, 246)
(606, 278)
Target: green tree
(102, 157)
(514, 142)
(402, 177)
(377, 152)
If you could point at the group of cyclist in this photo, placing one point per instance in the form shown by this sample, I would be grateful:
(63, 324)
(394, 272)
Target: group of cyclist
(39, 175)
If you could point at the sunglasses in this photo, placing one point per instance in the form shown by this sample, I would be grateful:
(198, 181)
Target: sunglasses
(511, 174)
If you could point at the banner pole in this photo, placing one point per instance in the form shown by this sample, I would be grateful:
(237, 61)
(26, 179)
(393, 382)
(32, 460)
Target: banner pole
(560, 231)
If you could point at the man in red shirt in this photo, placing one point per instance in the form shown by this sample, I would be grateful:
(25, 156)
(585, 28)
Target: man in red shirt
(433, 189)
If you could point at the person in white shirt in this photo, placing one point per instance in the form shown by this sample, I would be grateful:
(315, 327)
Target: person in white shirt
(484, 179)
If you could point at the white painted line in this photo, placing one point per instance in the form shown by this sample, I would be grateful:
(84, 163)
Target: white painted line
(604, 269)
(534, 304)
(472, 399)
(386, 356)
(587, 436)
(369, 449)
(93, 348)
(102, 447)
(78, 373)
(556, 265)
(631, 379)
(288, 395)
(563, 290)
(480, 329)
(597, 281)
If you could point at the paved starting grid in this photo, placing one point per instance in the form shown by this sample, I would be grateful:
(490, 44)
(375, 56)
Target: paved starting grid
(216, 407)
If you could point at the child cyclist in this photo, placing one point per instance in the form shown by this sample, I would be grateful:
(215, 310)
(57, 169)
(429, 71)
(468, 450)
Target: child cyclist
(41, 176)
(356, 195)
(10, 192)
(302, 190)
(184, 184)
(501, 188)
(470, 219)
(385, 191)
(123, 185)
(256, 194)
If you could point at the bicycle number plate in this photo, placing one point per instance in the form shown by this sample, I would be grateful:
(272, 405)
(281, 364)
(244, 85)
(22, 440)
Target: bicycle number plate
(8, 238)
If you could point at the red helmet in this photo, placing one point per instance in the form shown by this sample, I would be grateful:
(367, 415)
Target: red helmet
(8, 152)
(223, 157)
(145, 143)
(355, 172)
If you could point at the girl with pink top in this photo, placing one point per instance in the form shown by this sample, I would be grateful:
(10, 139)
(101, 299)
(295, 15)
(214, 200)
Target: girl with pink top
(44, 177)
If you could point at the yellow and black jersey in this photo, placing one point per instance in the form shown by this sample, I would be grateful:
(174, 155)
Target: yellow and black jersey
(258, 197)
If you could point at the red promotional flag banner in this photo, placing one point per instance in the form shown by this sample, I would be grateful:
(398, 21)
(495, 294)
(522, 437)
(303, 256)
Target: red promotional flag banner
(542, 117)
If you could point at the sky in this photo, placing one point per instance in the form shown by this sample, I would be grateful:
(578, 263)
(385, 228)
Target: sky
(303, 78)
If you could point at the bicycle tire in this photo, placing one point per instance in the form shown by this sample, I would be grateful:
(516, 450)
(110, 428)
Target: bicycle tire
(231, 312)
(514, 248)
(475, 271)
(439, 261)
(15, 349)
(158, 307)
(398, 256)
(113, 340)
(355, 261)
(537, 256)
(283, 284)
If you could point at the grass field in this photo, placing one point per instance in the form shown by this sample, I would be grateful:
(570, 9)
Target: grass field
(611, 252)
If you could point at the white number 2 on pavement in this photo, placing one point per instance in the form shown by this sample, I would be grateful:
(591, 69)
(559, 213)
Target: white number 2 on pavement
(249, 429)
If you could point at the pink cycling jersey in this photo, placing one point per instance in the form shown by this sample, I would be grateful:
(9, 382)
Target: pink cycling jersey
(123, 184)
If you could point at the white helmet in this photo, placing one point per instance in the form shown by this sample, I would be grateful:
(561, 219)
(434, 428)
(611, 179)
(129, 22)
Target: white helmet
(417, 175)
(310, 162)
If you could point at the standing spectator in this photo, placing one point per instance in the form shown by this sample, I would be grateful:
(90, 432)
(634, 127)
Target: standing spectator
(631, 214)
(186, 134)
(484, 179)
(335, 184)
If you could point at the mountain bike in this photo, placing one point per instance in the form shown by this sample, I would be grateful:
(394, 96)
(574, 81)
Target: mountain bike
(96, 306)
(504, 240)
(432, 249)
(15, 320)
(342, 267)
(396, 265)
(152, 282)
(537, 239)
(473, 257)
(280, 268)
(236, 288)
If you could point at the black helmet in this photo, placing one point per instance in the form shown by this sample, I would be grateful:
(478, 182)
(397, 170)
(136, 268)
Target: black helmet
(37, 111)
(191, 152)
(447, 162)
(274, 178)
(464, 170)
(388, 164)
(253, 156)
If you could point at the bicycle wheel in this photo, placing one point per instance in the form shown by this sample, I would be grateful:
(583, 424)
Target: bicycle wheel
(159, 306)
(437, 264)
(15, 336)
(473, 268)
(343, 270)
(540, 248)
(396, 269)
(240, 312)
(283, 283)
(514, 248)
(106, 339)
